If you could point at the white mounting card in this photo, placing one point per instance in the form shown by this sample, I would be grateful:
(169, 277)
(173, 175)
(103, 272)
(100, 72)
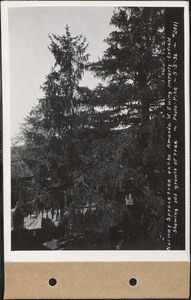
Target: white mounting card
(96, 136)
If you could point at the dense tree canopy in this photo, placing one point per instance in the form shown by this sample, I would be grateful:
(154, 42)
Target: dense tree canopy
(134, 60)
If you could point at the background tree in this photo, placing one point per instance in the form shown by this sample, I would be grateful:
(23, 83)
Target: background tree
(134, 60)
(133, 70)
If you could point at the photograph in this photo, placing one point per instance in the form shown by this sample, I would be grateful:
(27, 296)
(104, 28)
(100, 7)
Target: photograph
(97, 127)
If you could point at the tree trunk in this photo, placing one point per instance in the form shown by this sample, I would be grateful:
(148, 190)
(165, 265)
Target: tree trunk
(145, 111)
(142, 82)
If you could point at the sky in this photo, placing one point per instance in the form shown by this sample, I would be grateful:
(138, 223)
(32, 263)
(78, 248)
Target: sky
(29, 58)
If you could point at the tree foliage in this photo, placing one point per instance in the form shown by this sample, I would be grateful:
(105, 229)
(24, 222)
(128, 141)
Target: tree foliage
(134, 60)
(50, 130)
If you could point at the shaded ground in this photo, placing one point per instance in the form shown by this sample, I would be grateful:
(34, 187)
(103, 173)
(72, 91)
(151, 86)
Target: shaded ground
(26, 240)
(42, 239)
(47, 234)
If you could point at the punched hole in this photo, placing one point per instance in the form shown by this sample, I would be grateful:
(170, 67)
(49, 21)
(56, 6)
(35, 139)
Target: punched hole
(133, 281)
(52, 281)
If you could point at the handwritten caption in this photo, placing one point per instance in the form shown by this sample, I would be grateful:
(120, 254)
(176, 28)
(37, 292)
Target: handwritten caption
(172, 186)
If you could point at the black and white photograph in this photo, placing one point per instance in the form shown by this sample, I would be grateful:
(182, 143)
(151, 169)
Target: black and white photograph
(96, 127)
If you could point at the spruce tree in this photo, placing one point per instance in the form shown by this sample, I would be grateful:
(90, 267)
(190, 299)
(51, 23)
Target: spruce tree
(50, 131)
(134, 62)
(62, 93)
